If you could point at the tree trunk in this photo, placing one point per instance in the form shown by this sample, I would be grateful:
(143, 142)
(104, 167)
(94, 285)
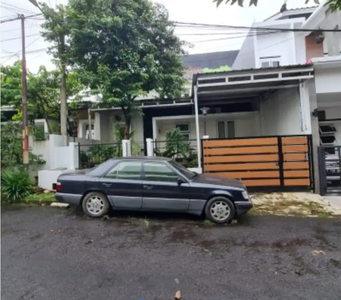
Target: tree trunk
(63, 103)
(127, 128)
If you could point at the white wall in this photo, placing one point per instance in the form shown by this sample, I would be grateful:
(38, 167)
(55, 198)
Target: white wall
(246, 124)
(40, 148)
(280, 113)
(137, 127)
(108, 120)
(300, 46)
(278, 44)
(328, 80)
(246, 56)
(290, 46)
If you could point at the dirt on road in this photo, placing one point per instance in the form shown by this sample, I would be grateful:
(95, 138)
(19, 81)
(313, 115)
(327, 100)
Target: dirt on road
(50, 253)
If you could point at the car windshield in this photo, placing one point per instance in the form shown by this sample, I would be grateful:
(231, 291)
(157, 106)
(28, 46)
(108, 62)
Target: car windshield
(187, 173)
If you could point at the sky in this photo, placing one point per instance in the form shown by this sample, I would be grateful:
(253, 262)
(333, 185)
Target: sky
(194, 11)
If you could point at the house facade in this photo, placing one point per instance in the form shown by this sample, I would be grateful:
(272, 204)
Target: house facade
(282, 83)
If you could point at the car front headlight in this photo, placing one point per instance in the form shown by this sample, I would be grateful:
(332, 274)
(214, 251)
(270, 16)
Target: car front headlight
(245, 195)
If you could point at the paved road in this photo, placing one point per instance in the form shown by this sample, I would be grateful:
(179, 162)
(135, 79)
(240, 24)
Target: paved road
(53, 254)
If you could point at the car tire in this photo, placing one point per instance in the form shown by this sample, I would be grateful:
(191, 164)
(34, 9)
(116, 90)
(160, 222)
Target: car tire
(220, 210)
(95, 205)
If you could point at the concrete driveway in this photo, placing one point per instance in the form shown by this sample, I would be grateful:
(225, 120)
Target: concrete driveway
(59, 254)
(336, 200)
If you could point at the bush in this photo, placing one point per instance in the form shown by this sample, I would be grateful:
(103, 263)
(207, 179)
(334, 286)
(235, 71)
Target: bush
(11, 147)
(15, 185)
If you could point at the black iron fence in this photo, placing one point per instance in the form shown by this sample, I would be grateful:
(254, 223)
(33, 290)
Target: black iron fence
(330, 169)
(184, 152)
(92, 155)
(138, 148)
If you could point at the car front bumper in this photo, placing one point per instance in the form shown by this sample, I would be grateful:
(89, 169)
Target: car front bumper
(243, 207)
(72, 199)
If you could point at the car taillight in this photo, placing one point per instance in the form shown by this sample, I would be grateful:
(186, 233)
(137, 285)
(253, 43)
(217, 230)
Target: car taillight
(58, 186)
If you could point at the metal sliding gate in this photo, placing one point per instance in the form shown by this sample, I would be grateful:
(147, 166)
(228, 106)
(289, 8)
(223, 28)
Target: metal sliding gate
(276, 163)
(330, 169)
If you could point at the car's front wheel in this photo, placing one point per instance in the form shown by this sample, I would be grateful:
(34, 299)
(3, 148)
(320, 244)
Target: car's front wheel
(220, 210)
(95, 205)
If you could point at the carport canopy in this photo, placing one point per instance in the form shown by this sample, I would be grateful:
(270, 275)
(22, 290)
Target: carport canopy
(243, 84)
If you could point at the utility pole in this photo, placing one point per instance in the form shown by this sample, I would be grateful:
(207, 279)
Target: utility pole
(24, 98)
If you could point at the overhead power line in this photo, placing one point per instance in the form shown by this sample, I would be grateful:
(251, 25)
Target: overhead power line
(19, 37)
(15, 9)
(18, 18)
(258, 28)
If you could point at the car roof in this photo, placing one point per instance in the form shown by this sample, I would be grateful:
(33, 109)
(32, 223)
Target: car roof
(154, 158)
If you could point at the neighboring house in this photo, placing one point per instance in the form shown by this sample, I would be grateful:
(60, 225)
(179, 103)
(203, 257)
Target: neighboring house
(323, 49)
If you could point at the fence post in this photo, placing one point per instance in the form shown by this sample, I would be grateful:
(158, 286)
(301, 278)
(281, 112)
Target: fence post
(149, 145)
(126, 148)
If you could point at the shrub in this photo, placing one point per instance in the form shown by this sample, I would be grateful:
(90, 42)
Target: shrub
(15, 185)
(11, 147)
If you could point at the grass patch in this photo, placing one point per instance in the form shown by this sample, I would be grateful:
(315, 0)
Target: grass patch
(287, 207)
(40, 197)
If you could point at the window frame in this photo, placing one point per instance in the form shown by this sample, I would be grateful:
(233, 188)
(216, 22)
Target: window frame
(124, 161)
(177, 172)
(226, 129)
(270, 60)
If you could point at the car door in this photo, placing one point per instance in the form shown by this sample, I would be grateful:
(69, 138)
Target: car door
(161, 190)
(123, 184)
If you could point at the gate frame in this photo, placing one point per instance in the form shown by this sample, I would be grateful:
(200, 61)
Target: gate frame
(281, 188)
(323, 168)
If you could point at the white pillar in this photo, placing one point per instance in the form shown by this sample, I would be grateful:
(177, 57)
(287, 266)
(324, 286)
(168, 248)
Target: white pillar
(305, 108)
(150, 147)
(126, 148)
(97, 126)
(196, 107)
(74, 159)
(155, 129)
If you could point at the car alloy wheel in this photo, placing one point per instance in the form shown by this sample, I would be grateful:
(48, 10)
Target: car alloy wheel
(220, 209)
(95, 204)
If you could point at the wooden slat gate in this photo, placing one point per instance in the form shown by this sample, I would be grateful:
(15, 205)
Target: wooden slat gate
(276, 163)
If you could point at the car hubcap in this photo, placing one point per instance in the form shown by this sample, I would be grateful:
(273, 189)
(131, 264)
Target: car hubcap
(95, 205)
(220, 210)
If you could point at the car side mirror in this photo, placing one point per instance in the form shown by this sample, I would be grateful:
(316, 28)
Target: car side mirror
(181, 181)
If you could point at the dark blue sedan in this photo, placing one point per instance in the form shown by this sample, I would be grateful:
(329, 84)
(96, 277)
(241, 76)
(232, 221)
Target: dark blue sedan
(153, 184)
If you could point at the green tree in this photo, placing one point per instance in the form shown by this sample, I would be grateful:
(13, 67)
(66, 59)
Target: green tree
(125, 48)
(333, 4)
(42, 91)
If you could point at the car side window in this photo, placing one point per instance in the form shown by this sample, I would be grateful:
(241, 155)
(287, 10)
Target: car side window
(154, 171)
(126, 170)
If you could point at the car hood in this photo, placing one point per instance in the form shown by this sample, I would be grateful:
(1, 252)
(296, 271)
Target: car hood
(219, 181)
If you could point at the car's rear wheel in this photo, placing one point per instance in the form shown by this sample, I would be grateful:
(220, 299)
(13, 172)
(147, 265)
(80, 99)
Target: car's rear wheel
(95, 205)
(220, 210)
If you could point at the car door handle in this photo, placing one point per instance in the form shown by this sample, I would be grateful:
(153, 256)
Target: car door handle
(107, 184)
(148, 187)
